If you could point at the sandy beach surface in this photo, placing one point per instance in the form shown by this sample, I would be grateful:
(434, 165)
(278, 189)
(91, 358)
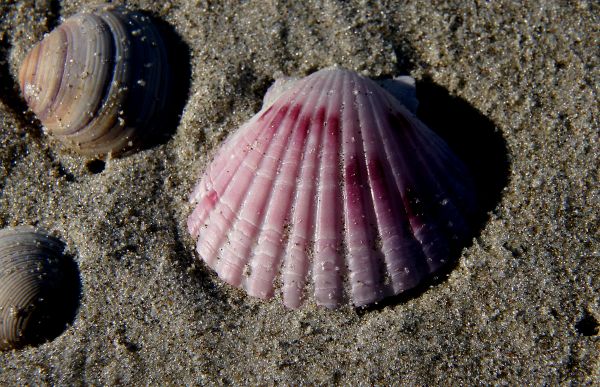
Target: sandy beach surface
(512, 87)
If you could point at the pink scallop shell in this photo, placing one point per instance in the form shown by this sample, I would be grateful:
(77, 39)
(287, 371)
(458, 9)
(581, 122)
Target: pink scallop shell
(334, 190)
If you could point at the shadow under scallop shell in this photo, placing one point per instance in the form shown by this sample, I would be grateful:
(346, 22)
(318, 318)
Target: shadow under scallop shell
(40, 287)
(473, 137)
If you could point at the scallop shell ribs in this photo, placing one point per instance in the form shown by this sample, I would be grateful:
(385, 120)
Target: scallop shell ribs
(99, 82)
(334, 190)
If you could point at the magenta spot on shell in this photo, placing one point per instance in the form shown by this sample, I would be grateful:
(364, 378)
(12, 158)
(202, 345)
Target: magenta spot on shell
(278, 119)
(265, 114)
(350, 177)
(376, 172)
(295, 112)
(304, 125)
(320, 115)
(333, 122)
(333, 127)
(212, 197)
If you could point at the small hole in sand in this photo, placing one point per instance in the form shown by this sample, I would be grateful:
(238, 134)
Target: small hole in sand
(95, 166)
(587, 325)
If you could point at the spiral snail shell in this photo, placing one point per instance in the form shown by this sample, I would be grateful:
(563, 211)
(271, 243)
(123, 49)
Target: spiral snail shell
(39, 287)
(100, 81)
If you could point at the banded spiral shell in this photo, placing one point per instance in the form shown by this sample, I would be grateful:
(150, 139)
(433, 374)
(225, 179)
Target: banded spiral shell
(334, 190)
(39, 287)
(100, 81)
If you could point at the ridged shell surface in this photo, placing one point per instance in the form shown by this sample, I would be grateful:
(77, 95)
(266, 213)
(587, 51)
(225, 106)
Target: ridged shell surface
(38, 287)
(334, 191)
(100, 81)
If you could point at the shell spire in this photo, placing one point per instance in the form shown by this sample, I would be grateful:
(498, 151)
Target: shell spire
(335, 191)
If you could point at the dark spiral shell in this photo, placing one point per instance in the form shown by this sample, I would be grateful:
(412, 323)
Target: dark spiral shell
(100, 81)
(39, 287)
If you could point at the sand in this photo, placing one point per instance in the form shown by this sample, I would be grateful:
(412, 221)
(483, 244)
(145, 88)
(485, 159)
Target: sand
(512, 87)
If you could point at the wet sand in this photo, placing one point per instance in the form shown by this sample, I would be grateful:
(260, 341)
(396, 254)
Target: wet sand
(512, 88)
